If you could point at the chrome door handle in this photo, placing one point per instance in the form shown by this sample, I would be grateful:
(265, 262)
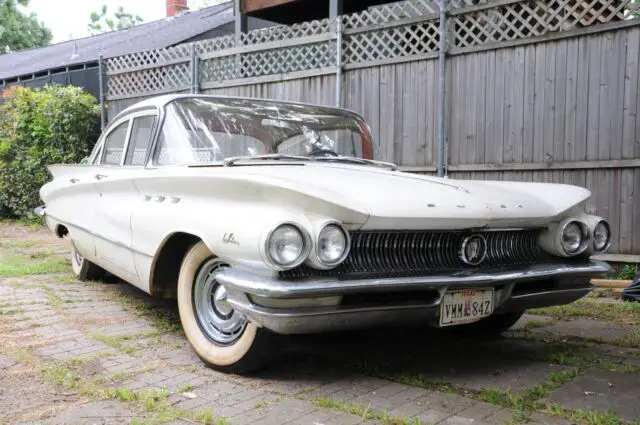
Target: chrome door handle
(74, 180)
(100, 176)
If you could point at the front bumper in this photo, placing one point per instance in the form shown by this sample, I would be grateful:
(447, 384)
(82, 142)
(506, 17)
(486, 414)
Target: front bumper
(516, 289)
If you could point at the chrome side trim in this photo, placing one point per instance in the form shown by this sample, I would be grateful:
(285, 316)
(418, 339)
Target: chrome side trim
(274, 288)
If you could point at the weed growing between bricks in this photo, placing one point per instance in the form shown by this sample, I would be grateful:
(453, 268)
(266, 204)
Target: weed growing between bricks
(365, 412)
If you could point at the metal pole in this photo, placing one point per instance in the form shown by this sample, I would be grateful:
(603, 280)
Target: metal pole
(442, 55)
(338, 61)
(101, 92)
(195, 77)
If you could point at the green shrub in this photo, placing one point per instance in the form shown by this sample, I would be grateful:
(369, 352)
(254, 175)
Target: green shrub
(39, 127)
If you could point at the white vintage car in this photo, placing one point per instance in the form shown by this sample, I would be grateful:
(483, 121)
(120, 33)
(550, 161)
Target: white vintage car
(265, 218)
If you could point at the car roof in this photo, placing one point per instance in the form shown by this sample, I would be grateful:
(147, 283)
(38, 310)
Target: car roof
(161, 101)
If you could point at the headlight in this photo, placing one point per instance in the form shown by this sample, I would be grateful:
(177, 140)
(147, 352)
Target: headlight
(332, 245)
(574, 238)
(601, 236)
(286, 246)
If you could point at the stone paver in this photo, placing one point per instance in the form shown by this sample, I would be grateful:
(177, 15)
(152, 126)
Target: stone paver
(609, 332)
(599, 390)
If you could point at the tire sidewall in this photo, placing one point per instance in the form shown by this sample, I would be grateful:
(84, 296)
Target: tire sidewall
(75, 266)
(218, 355)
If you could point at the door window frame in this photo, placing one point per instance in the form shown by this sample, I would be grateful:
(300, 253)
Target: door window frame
(154, 128)
(96, 156)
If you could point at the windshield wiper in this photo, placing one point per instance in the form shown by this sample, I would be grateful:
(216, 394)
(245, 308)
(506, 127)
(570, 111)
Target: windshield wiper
(355, 160)
(351, 159)
(233, 159)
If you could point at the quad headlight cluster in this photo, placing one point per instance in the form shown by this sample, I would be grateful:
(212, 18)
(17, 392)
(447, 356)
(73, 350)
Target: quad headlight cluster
(573, 237)
(288, 246)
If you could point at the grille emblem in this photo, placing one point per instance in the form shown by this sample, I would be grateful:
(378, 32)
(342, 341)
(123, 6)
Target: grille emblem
(473, 250)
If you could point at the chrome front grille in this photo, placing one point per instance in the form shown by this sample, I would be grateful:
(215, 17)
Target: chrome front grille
(398, 253)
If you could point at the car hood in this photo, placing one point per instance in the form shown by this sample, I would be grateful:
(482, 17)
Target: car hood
(393, 199)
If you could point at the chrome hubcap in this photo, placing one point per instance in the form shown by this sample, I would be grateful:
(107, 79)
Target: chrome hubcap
(216, 317)
(78, 257)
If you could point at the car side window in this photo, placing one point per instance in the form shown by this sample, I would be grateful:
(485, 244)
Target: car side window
(140, 140)
(114, 145)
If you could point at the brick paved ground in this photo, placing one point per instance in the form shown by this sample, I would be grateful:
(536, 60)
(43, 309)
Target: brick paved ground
(96, 353)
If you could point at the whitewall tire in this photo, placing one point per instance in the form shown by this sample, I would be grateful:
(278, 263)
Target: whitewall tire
(84, 269)
(219, 335)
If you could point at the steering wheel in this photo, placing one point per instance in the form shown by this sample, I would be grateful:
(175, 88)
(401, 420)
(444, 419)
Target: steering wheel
(322, 151)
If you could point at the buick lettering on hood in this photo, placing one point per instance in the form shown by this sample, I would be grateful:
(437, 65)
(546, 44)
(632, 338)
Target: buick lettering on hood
(265, 218)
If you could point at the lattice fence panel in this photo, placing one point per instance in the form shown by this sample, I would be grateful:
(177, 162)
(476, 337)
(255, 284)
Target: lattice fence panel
(305, 29)
(215, 44)
(219, 69)
(391, 12)
(289, 59)
(135, 60)
(147, 81)
(391, 43)
(531, 18)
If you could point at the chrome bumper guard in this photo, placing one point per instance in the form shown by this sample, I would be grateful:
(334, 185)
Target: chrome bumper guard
(243, 288)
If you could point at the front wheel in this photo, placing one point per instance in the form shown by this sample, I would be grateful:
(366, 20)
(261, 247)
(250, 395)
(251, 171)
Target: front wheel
(84, 269)
(220, 336)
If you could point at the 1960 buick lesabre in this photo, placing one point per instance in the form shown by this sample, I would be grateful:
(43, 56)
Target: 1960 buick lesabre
(267, 218)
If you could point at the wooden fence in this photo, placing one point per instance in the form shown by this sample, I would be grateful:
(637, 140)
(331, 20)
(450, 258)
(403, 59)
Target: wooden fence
(536, 90)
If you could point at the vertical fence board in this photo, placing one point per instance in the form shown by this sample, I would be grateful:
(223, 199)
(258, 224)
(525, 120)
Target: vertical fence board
(422, 120)
(560, 101)
(481, 113)
(529, 104)
(539, 84)
(507, 112)
(498, 109)
(617, 107)
(582, 107)
(571, 104)
(635, 227)
(593, 100)
(630, 105)
(626, 211)
(469, 143)
(518, 108)
(549, 100)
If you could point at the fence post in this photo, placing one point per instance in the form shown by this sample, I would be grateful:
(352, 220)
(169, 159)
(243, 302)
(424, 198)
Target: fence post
(338, 24)
(101, 91)
(441, 158)
(241, 26)
(195, 76)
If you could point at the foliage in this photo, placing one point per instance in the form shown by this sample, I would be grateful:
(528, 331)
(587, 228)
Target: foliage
(101, 22)
(18, 30)
(628, 272)
(52, 125)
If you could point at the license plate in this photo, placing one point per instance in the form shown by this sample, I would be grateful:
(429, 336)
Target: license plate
(465, 306)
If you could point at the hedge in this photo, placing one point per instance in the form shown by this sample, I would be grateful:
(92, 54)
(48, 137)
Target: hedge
(38, 127)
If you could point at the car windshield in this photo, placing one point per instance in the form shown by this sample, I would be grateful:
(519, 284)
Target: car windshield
(201, 130)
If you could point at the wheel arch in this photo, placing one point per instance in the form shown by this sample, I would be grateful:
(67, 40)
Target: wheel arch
(165, 267)
(61, 230)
